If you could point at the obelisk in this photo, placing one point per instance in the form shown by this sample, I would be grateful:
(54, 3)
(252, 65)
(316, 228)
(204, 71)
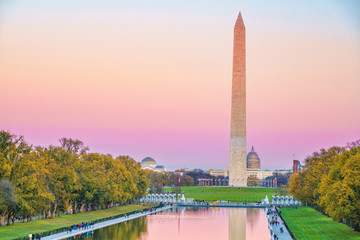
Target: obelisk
(237, 171)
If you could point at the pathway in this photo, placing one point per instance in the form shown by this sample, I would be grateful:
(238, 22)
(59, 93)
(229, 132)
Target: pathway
(275, 229)
(64, 235)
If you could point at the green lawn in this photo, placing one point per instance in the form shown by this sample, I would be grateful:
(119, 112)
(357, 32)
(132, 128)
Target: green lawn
(306, 224)
(23, 229)
(233, 194)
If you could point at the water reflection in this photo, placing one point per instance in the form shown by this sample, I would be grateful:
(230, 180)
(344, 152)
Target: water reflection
(237, 223)
(130, 230)
(190, 223)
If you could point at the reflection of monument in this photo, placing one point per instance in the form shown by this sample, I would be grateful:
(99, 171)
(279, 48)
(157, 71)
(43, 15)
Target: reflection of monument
(237, 171)
(237, 223)
(252, 217)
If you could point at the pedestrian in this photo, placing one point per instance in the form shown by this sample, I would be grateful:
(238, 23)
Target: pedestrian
(30, 236)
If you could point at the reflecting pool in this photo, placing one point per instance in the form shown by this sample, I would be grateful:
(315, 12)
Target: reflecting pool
(190, 223)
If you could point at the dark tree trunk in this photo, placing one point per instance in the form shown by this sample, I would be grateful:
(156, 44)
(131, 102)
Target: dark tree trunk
(8, 220)
(2, 219)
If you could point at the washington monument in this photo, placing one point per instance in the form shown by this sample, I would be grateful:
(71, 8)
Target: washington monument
(237, 171)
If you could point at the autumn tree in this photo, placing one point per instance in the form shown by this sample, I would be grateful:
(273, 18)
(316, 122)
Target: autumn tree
(45, 181)
(186, 180)
(331, 180)
(253, 181)
(138, 175)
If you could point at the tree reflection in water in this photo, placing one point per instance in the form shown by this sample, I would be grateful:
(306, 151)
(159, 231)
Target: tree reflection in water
(130, 230)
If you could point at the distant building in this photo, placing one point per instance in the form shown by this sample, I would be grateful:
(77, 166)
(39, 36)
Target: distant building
(259, 174)
(252, 160)
(150, 164)
(253, 168)
(218, 172)
(296, 166)
(262, 174)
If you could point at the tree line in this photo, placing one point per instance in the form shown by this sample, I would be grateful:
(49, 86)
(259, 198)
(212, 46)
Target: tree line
(179, 178)
(158, 180)
(47, 181)
(330, 181)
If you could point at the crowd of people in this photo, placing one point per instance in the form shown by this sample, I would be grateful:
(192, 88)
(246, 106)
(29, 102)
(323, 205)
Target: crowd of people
(80, 226)
(36, 236)
(149, 210)
(274, 220)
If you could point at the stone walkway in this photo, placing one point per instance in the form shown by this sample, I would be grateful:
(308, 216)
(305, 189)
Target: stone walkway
(65, 235)
(275, 229)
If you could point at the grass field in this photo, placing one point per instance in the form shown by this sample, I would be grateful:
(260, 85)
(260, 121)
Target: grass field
(233, 194)
(23, 229)
(307, 224)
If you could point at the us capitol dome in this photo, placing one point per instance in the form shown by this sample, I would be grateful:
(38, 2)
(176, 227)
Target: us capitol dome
(253, 160)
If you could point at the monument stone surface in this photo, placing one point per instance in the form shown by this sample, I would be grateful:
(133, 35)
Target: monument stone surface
(237, 170)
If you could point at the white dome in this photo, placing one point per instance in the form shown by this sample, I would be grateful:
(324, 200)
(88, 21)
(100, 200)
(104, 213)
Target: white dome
(148, 162)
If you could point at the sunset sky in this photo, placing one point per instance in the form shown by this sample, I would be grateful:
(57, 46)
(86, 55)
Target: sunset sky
(153, 78)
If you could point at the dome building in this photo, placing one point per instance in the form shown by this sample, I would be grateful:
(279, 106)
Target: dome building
(253, 168)
(149, 163)
(253, 160)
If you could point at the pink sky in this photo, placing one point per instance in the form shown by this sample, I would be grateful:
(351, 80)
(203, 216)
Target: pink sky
(145, 79)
